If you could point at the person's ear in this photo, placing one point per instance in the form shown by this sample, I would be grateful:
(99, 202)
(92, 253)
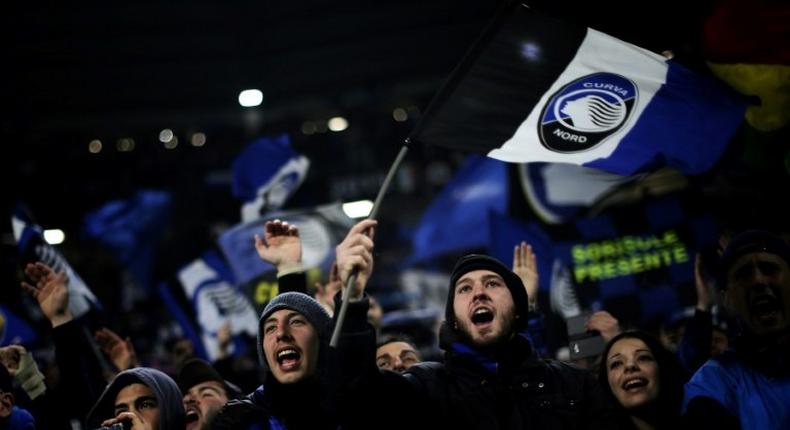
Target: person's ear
(6, 404)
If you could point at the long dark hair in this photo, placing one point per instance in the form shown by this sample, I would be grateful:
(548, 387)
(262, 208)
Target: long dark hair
(666, 408)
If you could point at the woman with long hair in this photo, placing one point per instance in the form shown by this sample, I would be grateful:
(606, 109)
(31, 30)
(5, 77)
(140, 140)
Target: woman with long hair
(644, 380)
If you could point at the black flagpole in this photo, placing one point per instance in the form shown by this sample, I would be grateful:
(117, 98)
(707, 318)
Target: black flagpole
(341, 314)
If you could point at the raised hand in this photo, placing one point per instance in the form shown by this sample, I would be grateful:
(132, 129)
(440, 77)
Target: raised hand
(22, 367)
(704, 288)
(604, 323)
(526, 267)
(356, 252)
(120, 351)
(280, 246)
(50, 290)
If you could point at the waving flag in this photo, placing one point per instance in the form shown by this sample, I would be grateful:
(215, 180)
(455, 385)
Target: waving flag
(457, 220)
(265, 174)
(537, 89)
(747, 45)
(132, 229)
(32, 247)
(216, 301)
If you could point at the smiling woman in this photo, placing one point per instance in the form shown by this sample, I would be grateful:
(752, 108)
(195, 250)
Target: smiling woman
(643, 379)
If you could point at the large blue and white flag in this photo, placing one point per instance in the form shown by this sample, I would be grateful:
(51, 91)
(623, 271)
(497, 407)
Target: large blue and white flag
(32, 247)
(216, 301)
(265, 174)
(457, 220)
(538, 89)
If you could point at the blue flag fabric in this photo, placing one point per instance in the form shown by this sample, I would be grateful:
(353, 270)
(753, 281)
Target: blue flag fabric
(560, 192)
(131, 229)
(32, 247)
(14, 329)
(265, 174)
(209, 286)
(188, 328)
(507, 232)
(457, 219)
(538, 89)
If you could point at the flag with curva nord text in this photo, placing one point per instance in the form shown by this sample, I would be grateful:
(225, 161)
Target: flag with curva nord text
(534, 88)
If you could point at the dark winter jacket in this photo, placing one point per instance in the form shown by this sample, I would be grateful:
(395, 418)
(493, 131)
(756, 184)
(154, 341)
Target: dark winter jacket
(511, 390)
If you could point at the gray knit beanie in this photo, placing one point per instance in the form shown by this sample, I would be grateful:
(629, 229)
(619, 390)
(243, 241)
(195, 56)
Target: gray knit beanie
(299, 302)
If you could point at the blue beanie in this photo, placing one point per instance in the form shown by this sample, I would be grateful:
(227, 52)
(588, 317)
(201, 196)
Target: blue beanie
(299, 302)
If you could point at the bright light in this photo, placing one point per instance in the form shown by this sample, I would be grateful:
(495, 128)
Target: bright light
(337, 123)
(54, 236)
(400, 114)
(250, 98)
(94, 147)
(358, 209)
(530, 51)
(166, 135)
(198, 139)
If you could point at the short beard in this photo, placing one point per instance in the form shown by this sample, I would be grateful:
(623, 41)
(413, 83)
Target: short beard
(507, 333)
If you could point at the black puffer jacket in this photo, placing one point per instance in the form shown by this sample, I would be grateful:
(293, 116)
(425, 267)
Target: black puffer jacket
(511, 390)
(515, 391)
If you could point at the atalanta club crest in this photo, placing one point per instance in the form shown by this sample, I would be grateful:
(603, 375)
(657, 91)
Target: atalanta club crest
(583, 113)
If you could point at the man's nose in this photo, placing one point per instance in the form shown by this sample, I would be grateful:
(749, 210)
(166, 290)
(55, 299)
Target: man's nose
(283, 331)
(398, 365)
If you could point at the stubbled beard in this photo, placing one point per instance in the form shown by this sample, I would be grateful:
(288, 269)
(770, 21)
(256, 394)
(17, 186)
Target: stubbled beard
(505, 334)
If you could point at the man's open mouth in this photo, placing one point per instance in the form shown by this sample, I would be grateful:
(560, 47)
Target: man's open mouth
(482, 316)
(765, 306)
(288, 357)
(192, 416)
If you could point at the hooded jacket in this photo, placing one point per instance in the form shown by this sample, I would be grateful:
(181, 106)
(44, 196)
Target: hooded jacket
(169, 397)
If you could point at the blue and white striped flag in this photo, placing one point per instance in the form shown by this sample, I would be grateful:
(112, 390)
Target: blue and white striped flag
(216, 301)
(32, 247)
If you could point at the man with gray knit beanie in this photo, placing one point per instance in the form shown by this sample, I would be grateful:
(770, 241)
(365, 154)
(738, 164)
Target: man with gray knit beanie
(292, 345)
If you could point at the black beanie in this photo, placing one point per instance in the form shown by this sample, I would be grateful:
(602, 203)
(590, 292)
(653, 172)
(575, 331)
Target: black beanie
(196, 371)
(472, 262)
(299, 302)
(749, 242)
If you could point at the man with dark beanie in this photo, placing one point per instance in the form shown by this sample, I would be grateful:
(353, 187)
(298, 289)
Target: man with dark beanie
(490, 377)
(749, 386)
(205, 393)
(292, 346)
